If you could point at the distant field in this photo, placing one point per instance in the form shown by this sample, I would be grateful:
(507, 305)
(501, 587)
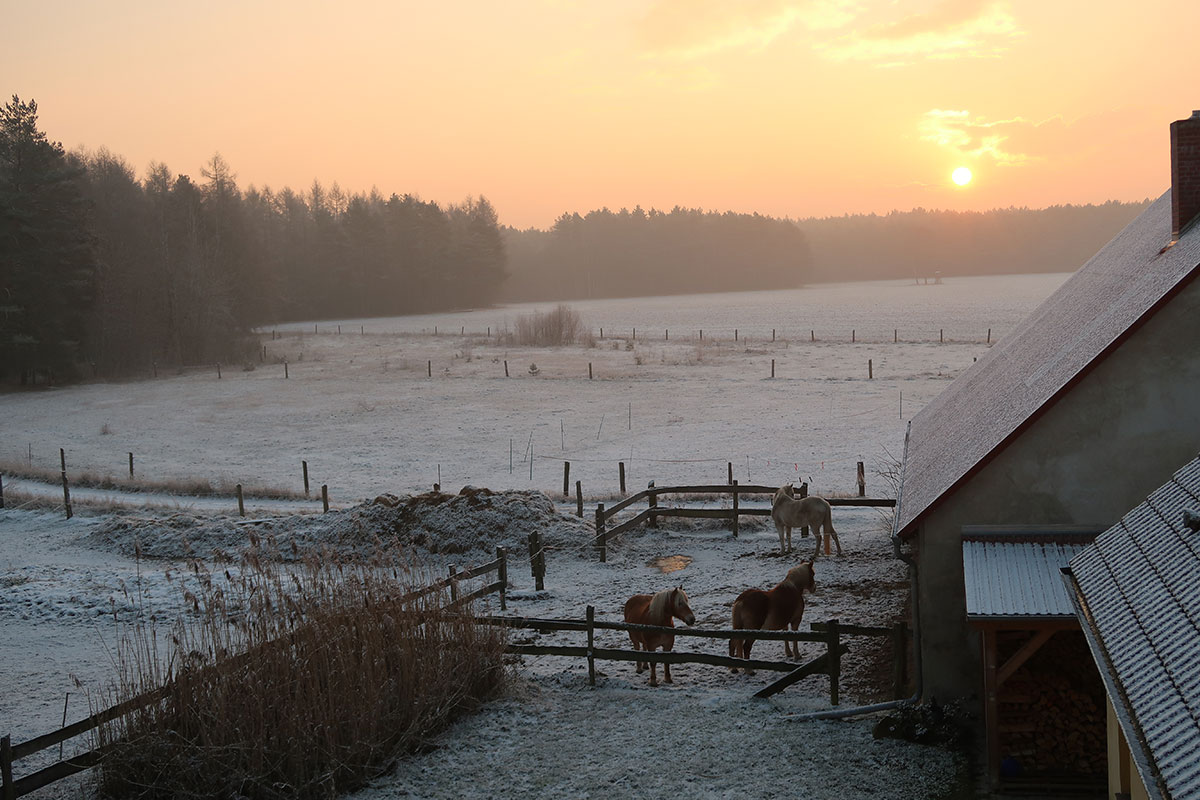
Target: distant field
(367, 416)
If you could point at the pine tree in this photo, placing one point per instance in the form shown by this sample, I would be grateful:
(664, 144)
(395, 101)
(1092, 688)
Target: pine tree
(47, 265)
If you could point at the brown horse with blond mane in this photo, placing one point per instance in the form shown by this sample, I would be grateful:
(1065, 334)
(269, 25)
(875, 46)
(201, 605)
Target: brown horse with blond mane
(659, 609)
(772, 610)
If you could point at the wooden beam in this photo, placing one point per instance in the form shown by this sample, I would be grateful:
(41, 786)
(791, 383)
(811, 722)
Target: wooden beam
(1021, 656)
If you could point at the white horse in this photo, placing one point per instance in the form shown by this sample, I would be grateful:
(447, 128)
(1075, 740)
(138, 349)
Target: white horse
(787, 512)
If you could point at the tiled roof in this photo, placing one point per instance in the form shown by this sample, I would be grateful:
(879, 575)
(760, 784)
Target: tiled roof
(1138, 590)
(1018, 576)
(1018, 378)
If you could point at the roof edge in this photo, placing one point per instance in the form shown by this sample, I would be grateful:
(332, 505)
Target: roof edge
(1143, 759)
(909, 529)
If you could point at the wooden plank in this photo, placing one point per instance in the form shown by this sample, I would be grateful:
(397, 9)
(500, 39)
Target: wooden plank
(56, 772)
(534, 623)
(818, 666)
(1021, 656)
(788, 636)
(657, 657)
(40, 743)
(491, 566)
(855, 630)
(695, 513)
(628, 524)
(626, 503)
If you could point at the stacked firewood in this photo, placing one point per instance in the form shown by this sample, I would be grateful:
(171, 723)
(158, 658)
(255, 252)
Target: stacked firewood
(1051, 722)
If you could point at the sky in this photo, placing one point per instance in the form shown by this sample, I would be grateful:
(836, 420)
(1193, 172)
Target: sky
(790, 108)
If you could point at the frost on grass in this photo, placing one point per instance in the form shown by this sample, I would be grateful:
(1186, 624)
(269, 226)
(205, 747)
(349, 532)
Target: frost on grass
(474, 521)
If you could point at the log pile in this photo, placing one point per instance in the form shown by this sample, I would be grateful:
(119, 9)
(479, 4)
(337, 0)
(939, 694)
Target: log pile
(1052, 718)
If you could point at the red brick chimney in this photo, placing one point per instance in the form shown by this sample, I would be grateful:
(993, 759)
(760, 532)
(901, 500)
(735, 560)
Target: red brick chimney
(1185, 172)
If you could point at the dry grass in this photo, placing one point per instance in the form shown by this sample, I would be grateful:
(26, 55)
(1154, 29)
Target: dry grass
(556, 328)
(292, 683)
(188, 487)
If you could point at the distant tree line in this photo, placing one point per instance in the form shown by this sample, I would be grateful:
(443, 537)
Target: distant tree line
(100, 270)
(921, 243)
(630, 253)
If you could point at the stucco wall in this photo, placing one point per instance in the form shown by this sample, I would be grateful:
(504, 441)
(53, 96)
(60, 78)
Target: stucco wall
(1115, 437)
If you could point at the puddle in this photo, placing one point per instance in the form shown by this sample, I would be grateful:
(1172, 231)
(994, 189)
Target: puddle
(668, 564)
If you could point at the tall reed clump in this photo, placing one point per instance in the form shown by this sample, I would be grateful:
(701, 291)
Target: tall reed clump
(297, 682)
(561, 326)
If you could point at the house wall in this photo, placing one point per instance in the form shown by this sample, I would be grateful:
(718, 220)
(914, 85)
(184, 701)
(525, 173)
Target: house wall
(1119, 434)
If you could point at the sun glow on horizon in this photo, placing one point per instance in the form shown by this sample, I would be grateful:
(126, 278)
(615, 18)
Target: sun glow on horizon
(961, 176)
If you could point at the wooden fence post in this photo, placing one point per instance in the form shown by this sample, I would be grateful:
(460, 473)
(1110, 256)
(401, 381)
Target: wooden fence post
(989, 339)
(862, 480)
(304, 468)
(537, 561)
(591, 631)
(579, 499)
(735, 508)
(131, 465)
(590, 371)
(567, 479)
(453, 584)
(241, 502)
(62, 454)
(600, 543)
(729, 467)
(285, 369)
(502, 574)
(652, 502)
(772, 334)
(218, 370)
(899, 659)
(835, 661)
(1, 490)
(772, 368)
(853, 337)
(325, 497)
(942, 335)
(621, 467)
(429, 369)
(870, 370)
(6, 760)
(803, 494)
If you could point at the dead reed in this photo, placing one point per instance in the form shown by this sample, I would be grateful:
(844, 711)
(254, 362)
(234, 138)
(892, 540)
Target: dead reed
(296, 683)
(190, 487)
(561, 326)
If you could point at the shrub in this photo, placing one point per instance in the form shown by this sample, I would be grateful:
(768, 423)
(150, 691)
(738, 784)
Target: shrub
(292, 682)
(555, 328)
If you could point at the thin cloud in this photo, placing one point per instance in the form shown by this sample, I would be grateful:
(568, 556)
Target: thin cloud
(955, 29)
(1018, 141)
(688, 29)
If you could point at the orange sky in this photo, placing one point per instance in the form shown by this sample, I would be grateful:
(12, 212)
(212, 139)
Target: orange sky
(548, 106)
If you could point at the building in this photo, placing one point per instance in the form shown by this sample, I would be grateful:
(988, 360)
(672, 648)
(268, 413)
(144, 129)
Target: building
(1066, 423)
(1136, 591)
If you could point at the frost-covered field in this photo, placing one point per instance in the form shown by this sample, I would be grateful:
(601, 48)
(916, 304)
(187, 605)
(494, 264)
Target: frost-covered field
(365, 415)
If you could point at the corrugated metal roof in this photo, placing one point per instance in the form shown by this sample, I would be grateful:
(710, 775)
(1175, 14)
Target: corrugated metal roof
(977, 413)
(1138, 587)
(1006, 578)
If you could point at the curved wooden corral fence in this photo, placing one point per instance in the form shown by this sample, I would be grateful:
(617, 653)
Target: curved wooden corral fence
(734, 490)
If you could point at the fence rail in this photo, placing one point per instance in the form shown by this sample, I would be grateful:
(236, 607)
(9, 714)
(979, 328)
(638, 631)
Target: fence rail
(734, 490)
(12, 788)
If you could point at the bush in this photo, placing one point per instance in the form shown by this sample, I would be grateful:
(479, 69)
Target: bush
(555, 328)
(300, 684)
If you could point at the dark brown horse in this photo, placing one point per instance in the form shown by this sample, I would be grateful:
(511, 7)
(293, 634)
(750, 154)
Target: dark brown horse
(659, 609)
(772, 610)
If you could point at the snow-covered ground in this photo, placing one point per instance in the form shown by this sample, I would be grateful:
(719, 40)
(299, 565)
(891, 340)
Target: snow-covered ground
(363, 412)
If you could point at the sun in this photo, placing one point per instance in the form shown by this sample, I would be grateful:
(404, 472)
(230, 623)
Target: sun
(961, 176)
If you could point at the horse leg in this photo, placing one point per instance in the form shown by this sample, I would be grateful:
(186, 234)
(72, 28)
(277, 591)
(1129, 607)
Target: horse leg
(667, 669)
(735, 647)
(746, 645)
(817, 537)
(829, 531)
(779, 530)
(792, 649)
(640, 665)
(653, 674)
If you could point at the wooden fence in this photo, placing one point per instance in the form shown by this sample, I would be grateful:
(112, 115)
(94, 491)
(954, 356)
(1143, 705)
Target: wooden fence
(827, 664)
(653, 511)
(11, 788)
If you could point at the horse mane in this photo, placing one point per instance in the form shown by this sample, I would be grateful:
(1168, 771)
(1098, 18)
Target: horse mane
(802, 577)
(784, 492)
(658, 605)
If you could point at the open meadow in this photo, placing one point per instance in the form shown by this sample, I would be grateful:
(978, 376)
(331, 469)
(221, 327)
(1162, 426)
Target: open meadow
(391, 406)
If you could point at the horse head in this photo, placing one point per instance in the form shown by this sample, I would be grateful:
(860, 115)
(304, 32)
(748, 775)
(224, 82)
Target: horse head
(802, 577)
(680, 608)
